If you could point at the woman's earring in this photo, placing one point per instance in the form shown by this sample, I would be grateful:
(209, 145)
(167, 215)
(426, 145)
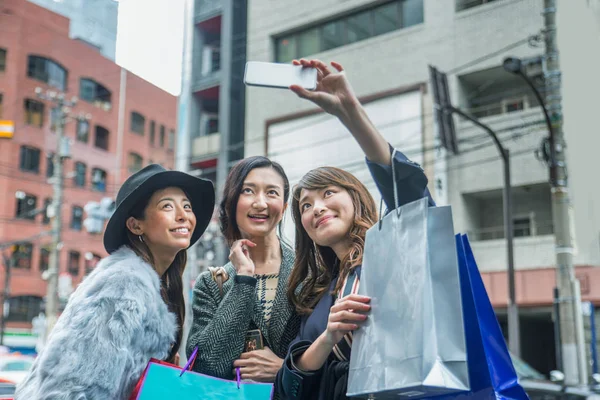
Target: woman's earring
(141, 238)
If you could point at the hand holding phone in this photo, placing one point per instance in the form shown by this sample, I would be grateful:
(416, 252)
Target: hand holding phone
(279, 75)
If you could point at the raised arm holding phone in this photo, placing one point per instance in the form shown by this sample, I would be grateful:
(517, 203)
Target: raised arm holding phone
(332, 211)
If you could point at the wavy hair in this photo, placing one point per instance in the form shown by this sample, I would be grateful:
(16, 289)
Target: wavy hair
(315, 266)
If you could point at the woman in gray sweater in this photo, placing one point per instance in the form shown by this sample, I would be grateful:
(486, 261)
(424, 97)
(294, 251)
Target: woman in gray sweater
(251, 307)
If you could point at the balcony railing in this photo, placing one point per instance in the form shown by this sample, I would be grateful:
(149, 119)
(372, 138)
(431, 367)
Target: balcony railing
(519, 230)
(204, 146)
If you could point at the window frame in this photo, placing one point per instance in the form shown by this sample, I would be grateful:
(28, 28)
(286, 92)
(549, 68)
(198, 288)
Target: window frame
(294, 37)
(73, 254)
(76, 218)
(78, 168)
(24, 248)
(35, 72)
(3, 57)
(21, 205)
(28, 156)
(29, 112)
(24, 303)
(135, 162)
(95, 183)
(96, 98)
(137, 123)
(102, 129)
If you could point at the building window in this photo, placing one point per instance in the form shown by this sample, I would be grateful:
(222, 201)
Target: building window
(99, 179)
(80, 172)
(361, 25)
(522, 226)
(138, 123)
(93, 92)
(29, 159)
(34, 113)
(76, 218)
(45, 219)
(83, 130)
(50, 165)
(73, 265)
(91, 260)
(2, 60)
(26, 204)
(48, 71)
(23, 308)
(44, 259)
(22, 255)
(152, 132)
(54, 119)
(101, 141)
(465, 4)
(171, 139)
(162, 136)
(135, 162)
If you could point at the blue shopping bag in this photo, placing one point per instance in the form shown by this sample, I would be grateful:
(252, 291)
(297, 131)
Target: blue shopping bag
(165, 381)
(491, 372)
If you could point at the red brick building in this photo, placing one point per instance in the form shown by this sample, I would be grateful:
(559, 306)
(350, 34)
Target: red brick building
(131, 123)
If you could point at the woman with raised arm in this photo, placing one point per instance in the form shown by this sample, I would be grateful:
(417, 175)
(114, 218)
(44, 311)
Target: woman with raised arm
(332, 211)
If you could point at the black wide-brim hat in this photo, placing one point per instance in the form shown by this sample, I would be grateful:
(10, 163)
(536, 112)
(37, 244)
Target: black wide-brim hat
(142, 185)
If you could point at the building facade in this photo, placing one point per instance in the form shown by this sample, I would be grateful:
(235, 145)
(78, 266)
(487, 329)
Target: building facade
(212, 102)
(386, 47)
(119, 124)
(93, 22)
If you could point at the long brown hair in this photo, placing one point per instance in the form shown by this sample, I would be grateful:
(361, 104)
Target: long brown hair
(315, 266)
(233, 188)
(171, 282)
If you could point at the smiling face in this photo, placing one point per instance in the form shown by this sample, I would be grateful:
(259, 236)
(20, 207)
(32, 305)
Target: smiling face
(168, 221)
(261, 203)
(327, 216)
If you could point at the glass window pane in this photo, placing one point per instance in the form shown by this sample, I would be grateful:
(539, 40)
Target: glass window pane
(286, 49)
(308, 42)
(333, 35)
(386, 18)
(87, 90)
(412, 12)
(359, 27)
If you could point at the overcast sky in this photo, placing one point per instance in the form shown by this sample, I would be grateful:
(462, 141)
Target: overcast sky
(150, 41)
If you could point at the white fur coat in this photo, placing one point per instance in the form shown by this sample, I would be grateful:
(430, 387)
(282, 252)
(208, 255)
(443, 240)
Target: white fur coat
(113, 324)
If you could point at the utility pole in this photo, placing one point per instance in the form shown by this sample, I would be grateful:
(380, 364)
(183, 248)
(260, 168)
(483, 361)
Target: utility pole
(444, 112)
(62, 109)
(571, 320)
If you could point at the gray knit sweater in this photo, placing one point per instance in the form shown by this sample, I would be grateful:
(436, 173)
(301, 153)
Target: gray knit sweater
(220, 324)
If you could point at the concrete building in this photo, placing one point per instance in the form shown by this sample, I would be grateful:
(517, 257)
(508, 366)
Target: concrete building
(131, 123)
(386, 47)
(212, 100)
(93, 22)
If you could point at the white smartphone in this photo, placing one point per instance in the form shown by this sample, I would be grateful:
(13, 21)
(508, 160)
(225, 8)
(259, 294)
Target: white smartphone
(279, 75)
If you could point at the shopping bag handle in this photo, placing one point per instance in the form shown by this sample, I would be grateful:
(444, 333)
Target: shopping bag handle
(395, 188)
(190, 364)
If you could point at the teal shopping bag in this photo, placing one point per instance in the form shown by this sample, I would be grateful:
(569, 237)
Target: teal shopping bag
(165, 381)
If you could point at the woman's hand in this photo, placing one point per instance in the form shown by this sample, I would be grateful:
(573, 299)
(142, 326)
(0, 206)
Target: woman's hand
(333, 93)
(259, 365)
(344, 317)
(240, 257)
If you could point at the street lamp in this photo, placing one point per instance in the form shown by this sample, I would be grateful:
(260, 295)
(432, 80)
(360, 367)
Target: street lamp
(514, 65)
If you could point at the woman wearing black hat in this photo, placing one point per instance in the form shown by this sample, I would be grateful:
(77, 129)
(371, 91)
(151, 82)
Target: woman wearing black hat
(131, 307)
